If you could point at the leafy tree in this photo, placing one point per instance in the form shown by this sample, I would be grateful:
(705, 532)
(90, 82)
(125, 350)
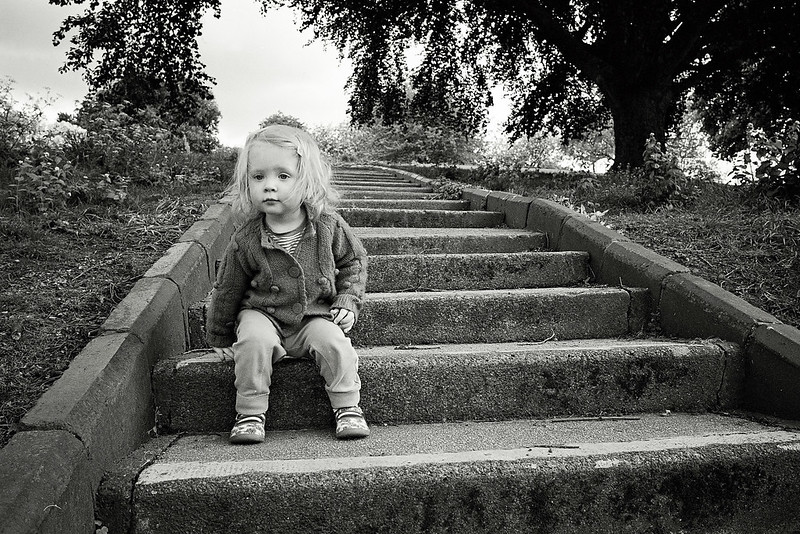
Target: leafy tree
(570, 65)
(750, 75)
(283, 118)
(143, 53)
(445, 91)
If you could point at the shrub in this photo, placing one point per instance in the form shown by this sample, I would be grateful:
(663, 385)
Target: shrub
(397, 143)
(539, 151)
(771, 164)
(662, 182)
(118, 142)
(45, 181)
(94, 155)
(20, 124)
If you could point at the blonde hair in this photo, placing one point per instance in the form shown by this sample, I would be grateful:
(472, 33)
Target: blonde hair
(314, 172)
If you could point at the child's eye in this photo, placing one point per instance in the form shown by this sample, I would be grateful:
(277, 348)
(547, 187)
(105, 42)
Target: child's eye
(257, 177)
(284, 176)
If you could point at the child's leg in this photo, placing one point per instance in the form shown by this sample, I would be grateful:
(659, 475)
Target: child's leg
(335, 356)
(257, 347)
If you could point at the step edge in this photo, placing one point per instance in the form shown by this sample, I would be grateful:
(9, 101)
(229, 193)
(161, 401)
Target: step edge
(191, 470)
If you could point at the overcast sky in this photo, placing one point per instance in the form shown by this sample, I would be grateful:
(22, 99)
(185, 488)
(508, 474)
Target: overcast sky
(262, 65)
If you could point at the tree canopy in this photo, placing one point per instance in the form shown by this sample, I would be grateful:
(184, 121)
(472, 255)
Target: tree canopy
(750, 72)
(570, 66)
(142, 53)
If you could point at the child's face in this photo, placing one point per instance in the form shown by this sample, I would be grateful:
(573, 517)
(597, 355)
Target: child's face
(271, 177)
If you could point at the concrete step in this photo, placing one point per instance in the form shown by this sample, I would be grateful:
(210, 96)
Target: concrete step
(682, 473)
(428, 272)
(498, 316)
(421, 204)
(383, 193)
(387, 240)
(429, 384)
(363, 183)
(356, 178)
(342, 171)
(489, 316)
(421, 218)
(399, 188)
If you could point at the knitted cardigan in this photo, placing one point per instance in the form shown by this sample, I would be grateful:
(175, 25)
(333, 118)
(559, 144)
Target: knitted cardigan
(328, 270)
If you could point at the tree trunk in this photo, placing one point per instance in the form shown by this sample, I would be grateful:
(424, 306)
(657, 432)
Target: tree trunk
(636, 115)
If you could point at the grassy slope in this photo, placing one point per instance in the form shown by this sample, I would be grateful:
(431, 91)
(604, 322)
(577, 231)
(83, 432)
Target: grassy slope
(62, 273)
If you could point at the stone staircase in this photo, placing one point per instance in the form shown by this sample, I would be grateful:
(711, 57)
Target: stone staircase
(506, 391)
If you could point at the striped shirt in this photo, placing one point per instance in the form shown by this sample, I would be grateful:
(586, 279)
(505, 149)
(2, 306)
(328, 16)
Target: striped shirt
(288, 240)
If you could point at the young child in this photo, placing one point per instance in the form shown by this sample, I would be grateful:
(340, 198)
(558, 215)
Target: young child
(291, 281)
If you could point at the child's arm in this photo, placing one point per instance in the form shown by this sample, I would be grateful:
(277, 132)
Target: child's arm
(351, 275)
(226, 299)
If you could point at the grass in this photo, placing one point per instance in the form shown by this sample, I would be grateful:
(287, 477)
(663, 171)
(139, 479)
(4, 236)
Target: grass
(753, 253)
(62, 273)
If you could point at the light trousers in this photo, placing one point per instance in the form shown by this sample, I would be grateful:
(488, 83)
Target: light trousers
(259, 345)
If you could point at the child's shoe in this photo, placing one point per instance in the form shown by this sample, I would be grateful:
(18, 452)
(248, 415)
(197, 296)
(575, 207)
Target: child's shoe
(350, 423)
(248, 428)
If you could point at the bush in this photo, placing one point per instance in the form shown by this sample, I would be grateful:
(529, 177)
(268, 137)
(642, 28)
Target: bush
(540, 151)
(395, 144)
(771, 165)
(93, 156)
(20, 124)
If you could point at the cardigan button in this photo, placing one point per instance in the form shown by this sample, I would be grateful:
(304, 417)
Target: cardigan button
(253, 283)
(294, 271)
(270, 310)
(346, 284)
(322, 280)
(274, 289)
(297, 308)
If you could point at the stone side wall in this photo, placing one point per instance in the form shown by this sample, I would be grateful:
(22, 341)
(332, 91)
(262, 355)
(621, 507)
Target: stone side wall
(101, 408)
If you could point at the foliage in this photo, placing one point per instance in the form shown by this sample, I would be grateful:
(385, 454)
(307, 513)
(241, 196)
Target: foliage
(395, 143)
(444, 91)
(447, 189)
(590, 148)
(450, 88)
(46, 182)
(92, 156)
(538, 151)
(144, 53)
(283, 118)
(749, 74)
(663, 183)
(19, 124)
(771, 164)
(571, 67)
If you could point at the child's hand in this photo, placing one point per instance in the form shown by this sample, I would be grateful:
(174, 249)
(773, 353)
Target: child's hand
(344, 318)
(226, 353)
